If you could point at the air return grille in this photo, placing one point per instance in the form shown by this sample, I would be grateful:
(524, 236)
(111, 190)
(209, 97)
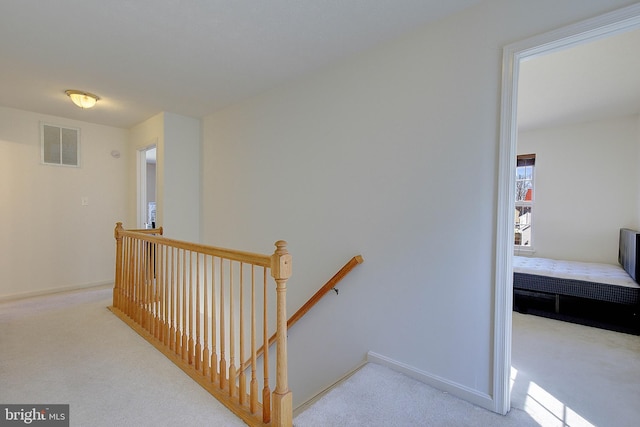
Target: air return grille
(60, 145)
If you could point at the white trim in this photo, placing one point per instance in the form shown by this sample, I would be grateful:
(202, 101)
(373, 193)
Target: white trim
(589, 30)
(459, 390)
(51, 291)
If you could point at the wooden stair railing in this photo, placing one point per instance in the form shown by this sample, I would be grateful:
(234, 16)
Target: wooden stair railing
(330, 285)
(189, 301)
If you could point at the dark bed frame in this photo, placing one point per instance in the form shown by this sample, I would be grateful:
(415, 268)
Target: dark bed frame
(545, 287)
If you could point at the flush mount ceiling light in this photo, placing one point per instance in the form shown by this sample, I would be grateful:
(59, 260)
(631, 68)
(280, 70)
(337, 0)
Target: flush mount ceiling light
(82, 99)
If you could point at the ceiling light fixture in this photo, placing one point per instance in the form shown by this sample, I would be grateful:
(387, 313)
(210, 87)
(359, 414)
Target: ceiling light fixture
(82, 99)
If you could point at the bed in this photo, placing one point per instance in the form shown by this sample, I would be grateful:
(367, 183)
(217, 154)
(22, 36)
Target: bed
(557, 280)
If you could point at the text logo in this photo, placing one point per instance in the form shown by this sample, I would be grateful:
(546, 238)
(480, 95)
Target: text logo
(34, 415)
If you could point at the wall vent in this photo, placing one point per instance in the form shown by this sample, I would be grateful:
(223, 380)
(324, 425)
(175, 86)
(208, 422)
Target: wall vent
(60, 145)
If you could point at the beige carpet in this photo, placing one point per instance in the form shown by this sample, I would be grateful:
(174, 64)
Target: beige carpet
(563, 375)
(68, 348)
(566, 374)
(376, 396)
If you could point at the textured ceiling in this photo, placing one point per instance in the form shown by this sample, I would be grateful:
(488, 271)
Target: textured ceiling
(189, 57)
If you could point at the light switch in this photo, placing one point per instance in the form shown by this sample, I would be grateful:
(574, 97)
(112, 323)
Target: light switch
(85, 201)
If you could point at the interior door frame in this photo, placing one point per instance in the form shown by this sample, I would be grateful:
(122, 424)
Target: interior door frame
(612, 23)
(141, 167)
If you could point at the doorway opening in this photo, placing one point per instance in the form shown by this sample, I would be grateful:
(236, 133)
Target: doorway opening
(147, 193)
(590, 30)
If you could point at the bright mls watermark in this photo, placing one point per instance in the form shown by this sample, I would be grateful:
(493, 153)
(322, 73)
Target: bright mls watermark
(34, 415)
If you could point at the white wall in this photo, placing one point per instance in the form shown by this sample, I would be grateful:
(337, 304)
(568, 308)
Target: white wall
(392, 154)
(49, 241)
(182, 145)
(586, 187)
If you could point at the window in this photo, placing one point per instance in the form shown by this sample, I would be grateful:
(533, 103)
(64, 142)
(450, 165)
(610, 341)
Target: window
(60, 145)
(524, 199)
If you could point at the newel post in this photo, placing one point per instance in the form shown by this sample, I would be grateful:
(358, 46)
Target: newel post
(282, 397)
(117, 287)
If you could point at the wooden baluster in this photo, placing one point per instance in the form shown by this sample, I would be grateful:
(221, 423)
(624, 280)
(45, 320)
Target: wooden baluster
(138, 287)
(150, 290)
(253, 385)
(124, 296)
(242, 390)
(179, 326)
(232, 335)
(172, 308)
(153, 282)
(144, 283)
(198, 353)
(159, 290)
(167, 301)
(190, 355)
(185, 342)
(205, 351)
(155, 277)
(126, 276)
(266, 391)
(133, 311)
(282, 397)
(129, 278)
(223, 362)
(134, 279)
(144, 286)
(214, 325)
(133, 273)
(141, 286)
(151, 304)
(170, 296)
(163, 295)
(146, 299)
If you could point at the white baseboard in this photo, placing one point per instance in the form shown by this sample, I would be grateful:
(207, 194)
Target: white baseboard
(22, 295)
(473, 396)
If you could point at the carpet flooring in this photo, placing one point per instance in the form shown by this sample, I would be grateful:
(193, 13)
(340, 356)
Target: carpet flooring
(69, 348)
(376, 396)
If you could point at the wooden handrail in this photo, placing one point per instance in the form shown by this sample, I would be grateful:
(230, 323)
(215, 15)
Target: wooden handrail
(235, 255)
(331, 284)
(158, 230)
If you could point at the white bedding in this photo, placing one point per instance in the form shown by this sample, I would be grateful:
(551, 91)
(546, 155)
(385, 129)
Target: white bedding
(586, 271)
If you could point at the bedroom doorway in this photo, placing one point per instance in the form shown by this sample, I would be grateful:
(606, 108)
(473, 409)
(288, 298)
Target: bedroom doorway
(147, 178)
(513, 55)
